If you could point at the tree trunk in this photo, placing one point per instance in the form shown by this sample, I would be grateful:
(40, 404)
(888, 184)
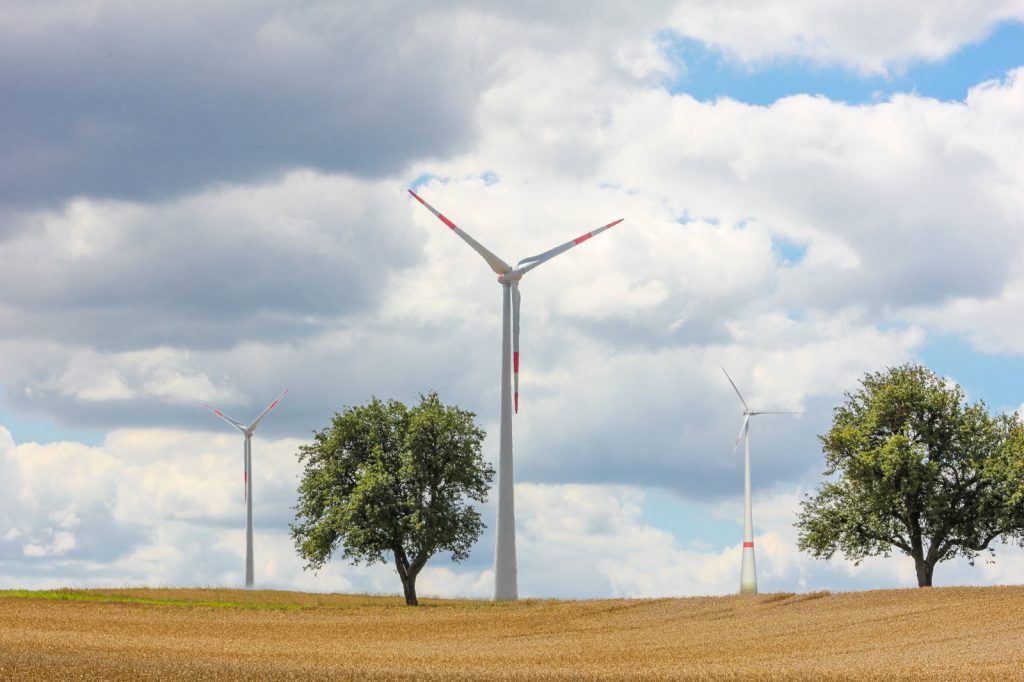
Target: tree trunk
(409, 584)
(921, 563)
(924, 572)
(408, 577)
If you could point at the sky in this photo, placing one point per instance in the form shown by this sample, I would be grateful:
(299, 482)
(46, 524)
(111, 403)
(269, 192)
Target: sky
(207, 202)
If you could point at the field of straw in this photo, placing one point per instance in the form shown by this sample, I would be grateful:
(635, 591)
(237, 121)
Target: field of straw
(932, 634)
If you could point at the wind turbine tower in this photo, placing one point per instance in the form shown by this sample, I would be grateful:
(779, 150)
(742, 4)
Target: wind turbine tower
(247, 431)
(748, 573)
(505, 579)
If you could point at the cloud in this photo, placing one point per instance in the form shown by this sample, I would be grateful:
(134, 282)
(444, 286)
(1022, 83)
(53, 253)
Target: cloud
(147, 101)
(990, 323)
(668, 418)
(143, 101)
(163, 374)
(868, 37)
(220, 217)
(860, 189)
(267, 261)
(99, 508)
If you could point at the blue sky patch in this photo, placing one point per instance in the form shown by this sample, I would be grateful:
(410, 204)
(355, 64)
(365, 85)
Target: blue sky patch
(709, 75)
(790, 253)
(689, 523)
(423, 179)
(996, 379)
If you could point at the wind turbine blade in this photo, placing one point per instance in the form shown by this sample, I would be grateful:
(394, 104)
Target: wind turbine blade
(766, 412)
(743, 429)
(255, 422)
(499, 266)
(736, 389)
(530, 263)
(230, 420)
(515, 342)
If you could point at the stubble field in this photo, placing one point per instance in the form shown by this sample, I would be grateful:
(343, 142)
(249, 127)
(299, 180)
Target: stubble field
(937, 634)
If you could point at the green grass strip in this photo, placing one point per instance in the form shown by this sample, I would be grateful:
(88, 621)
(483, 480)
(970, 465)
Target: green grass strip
(69, 595)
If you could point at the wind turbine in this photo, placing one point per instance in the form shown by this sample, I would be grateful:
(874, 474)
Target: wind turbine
(247, 431)
(505, 582)
(748, 574)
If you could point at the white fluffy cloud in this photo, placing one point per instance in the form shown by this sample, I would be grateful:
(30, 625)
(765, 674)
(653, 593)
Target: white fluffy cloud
(874, 37)
(861, 188)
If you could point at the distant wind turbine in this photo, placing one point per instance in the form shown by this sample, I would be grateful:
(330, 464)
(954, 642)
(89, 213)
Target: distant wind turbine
(505, 581)
(748, 574)
(247, 431)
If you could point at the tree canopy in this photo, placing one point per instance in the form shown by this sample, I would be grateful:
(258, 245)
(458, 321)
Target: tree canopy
(384, 479)
(918, 469)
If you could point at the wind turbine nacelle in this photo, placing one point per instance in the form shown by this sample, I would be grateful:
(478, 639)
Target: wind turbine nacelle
(510, 276)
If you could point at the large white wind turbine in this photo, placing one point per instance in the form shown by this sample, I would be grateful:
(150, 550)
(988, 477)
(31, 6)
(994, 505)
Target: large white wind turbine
(505, 582)
(748, 574)
(247, 431)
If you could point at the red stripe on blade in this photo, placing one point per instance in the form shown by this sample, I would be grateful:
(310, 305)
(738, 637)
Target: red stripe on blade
(446, 221)
(748, 544)
(517, 401)
(580, 240)
(515, 362)
(615, 223)
(417, 197)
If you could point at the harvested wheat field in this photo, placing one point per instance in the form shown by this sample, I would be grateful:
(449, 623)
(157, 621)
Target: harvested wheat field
(938, 634)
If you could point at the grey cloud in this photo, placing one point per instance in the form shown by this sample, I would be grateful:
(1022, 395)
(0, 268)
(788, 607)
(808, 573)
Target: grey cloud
(258, 264)
(133, 325)
(669, 324)
(148, 100)
(684, 447)
(99, 538)
(325, 373)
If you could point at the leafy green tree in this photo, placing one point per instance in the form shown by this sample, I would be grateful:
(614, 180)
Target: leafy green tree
(386, 479)
(916, 469)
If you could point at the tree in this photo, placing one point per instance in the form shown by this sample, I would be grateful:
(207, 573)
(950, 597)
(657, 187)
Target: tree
(386, 479)
(919, 470)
